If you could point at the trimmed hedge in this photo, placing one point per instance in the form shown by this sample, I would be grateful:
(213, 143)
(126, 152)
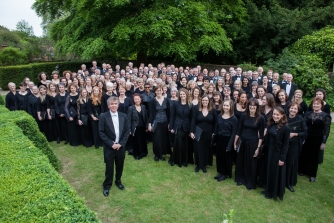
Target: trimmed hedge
(30, 189)
(30, 129)
(2, 100)
(16, 74)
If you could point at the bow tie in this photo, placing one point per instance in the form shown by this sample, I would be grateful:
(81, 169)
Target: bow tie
(288, 83)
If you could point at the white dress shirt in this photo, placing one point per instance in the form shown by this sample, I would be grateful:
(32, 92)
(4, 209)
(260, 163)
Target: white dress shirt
(114, 117)
(288, 88)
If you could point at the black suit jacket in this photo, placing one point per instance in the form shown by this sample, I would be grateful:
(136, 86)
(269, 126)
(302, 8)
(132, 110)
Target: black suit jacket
(134, 118)
(107, 131)
(281, 141)
(180, 117)
(292, 89)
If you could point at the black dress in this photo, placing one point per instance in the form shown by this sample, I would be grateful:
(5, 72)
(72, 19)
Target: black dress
(10, 101)
(123, 107)
(250, 133)
(21, 101)
(237, 114)
(138, 122)
(277, 143)
(54, 131)
(44, 123)
(85, 130)
(62, 121)
(295, 147)
(104, 105)
(95, 110)
(318, 128)
(32, 108)
(73, 127)
(159, 117)
(302, 108)
(180, 123)
(203, 151)
(171, 135)
(225, 133)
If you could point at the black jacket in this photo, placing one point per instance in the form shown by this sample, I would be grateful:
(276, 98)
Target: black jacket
(282, 141)
(180, 117)
(134, 118)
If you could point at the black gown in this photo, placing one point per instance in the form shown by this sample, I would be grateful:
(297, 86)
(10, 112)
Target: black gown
(318, 128)
(73, 127)
(44, 123)
(225, 133)
(202, 149)
(21, 101)
(62, 121)
(85, 130)
(54, 131)
(95, 110)
(250, 133)
(237, 114)
(276, 175)
(32, 108)
(10, 101)
(123, 107)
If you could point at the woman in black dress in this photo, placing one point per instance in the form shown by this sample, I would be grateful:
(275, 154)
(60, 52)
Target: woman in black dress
(10, 97)
(203, 118)
(318, 127)
(180, 126)
(42, 79)
(94, 110)
(298, 97)
(277, 141)
(137, 116)
(174, 98)
(283, 100)
(42, 112)
(54, 132)
(158, 123)
(225, 131)
(32, 104)
(217, 101)
(252, 93)
(240, 106)
(71, 115)
(250, 131)
(295, 145)
(220, 85)
(60, 100)
(105, 96)
(84, 124)
(21, 98)
(245, 85)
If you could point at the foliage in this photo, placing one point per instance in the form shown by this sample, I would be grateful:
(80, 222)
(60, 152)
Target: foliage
(307, 70)
(2, 100)
(16, 74)
(31, 190)
(24, 27)
(320, 43)
(30, 129)
(248, 66)
(178, 29)
(12, 56)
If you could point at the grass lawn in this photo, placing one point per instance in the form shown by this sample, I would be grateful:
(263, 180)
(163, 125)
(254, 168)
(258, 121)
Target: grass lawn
(157, 192)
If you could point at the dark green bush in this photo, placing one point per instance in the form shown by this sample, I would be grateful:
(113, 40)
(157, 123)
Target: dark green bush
(2, 100)
(30, 129)
(11, 55)
(30, 189)
(16, 74)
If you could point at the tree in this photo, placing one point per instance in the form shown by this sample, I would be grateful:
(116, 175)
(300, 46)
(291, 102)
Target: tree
(12, 56)
(178, 29)
(24, 27)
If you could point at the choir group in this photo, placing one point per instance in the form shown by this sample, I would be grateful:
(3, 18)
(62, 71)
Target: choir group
(257, 122)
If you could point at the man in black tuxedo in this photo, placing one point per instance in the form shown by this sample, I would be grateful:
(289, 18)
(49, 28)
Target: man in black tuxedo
(114, 129)
(289, 87)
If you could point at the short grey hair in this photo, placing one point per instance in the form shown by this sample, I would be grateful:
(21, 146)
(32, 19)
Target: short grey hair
(112, 98)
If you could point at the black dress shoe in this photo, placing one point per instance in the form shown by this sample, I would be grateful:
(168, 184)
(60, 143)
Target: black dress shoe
(58, 141)
(197, 169)
(222, 178)
(162, 159)
(290, 189)
(204, 170)
(184, 164)
(66, 142)
(281, 198)
(171, 163)
(106, 193)
(312, 179)
(156, 158)
(300, 174)
(263, 192)
(137, 158)
(239, 184)
(217, 177)
(120, 186)
(130, 153)
(268, 197)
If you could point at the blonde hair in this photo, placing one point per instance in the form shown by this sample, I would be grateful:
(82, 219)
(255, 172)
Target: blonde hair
(80, 99)
(41, 96)
(293, 98)
(49, 89)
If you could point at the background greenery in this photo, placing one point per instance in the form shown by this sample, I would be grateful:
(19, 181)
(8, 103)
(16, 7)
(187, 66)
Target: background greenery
(157, 192)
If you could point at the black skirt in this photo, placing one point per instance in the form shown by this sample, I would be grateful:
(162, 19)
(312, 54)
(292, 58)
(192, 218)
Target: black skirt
(140, 143)
(161, 143)
(291, 163)
(308, 161)
(180, 151)
(63, 128)
(74, 132)
(86, 135)
(223, 158)
(96, 136)
(203, 155)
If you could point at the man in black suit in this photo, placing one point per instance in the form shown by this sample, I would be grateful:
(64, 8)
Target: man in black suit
(289, 87)
(114, 129)
(238, 75)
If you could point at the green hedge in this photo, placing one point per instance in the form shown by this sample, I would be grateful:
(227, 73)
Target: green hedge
(30, 129)
(2, 100)
(16, 74)
(30, 189)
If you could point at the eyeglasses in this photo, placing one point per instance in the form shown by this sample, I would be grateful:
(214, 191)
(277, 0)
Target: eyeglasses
(252, 106)
(147, 87)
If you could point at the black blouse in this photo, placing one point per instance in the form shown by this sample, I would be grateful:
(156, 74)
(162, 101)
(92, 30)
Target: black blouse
(248, 130)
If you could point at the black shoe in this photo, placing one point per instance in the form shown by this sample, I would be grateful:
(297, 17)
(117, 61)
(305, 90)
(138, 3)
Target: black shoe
(66, 142)
(120, 186)
(249, 188)
(239, 184)
(268, 197)
(130, 153)
(300, 174)
(312, 179)
(263, 192)
(222, 178)
(281, 198)
(137, 158)
(162, 159)
(196, 169)
(204, 170)
(156, 158)
(184, 164)
(217, 177)
(290, 188)
(106, 192)
(171, 163)
(58, 141)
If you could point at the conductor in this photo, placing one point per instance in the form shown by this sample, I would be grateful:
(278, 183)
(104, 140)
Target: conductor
(114, 129)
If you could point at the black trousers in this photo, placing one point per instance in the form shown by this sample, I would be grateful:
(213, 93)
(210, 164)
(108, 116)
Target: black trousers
(115, 157)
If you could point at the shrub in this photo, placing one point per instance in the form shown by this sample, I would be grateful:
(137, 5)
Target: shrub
(30, 129)
(31, 190)
(16, 74)
(2, 100)
(11, 55)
